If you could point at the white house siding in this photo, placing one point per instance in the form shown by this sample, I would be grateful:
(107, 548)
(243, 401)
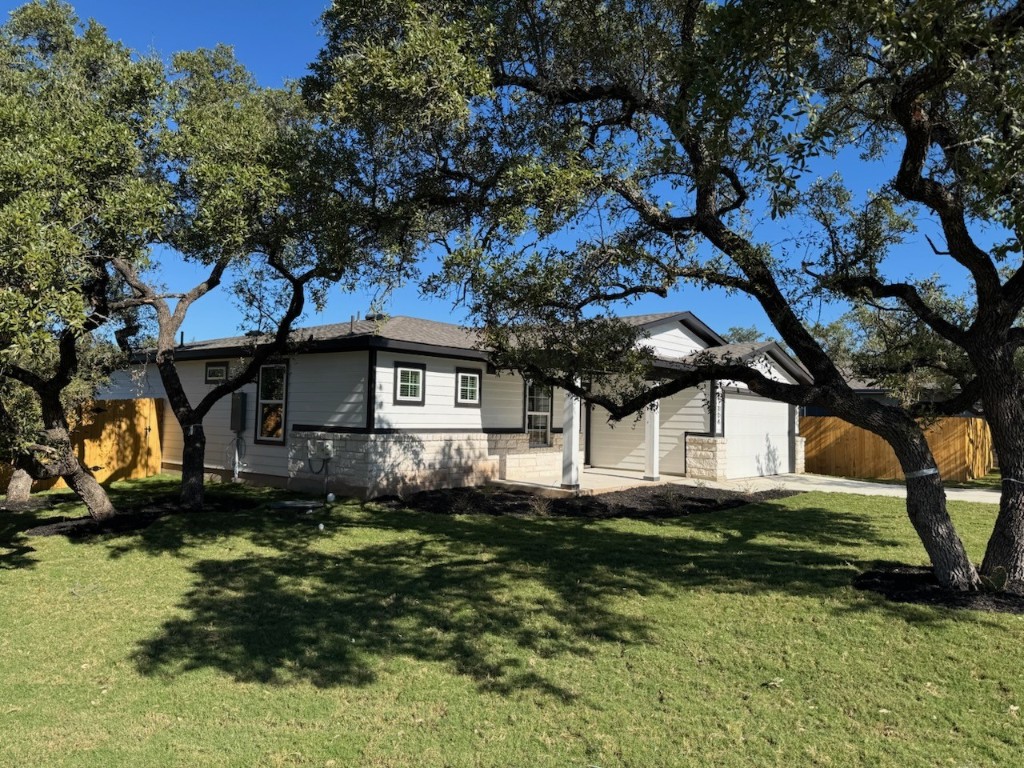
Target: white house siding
(769, 369)
(757, 432)
(327, 389)
(438, 410)
(502, 401)
(323, 390)
(671, 340)
(622, 446)
(501, 397)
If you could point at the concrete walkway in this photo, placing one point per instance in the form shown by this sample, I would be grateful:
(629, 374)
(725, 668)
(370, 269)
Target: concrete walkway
(844, 485)
(596, 481)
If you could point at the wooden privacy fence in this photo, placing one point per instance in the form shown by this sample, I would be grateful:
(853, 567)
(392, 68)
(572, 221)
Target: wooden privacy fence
(962, 447)
(116, 439)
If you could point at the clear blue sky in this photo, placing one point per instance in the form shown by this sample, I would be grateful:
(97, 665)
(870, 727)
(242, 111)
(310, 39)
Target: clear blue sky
(276, 40)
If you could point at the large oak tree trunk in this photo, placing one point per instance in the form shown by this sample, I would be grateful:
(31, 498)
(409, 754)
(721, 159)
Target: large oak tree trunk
(1005, 549)
(59, 459)
(1003, 398)
(20, 486)
(926, 498)
(926, 506)
(90, 492)
(193, 463)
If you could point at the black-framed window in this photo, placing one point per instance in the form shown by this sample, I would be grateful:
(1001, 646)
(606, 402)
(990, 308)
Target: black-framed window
(538, 414)
(410, 383)
(468, 383)
(216, 373)
(271, 405)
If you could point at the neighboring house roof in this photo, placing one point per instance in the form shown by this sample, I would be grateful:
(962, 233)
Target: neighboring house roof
(863, 386)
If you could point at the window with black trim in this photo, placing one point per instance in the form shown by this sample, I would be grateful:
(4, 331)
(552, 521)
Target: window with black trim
(410, 383)
(271, 391)
(538, 414)
(467, 388)
(216, 373)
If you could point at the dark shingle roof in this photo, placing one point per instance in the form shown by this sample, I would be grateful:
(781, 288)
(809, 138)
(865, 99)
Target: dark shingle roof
(380, 331)
(401, 332)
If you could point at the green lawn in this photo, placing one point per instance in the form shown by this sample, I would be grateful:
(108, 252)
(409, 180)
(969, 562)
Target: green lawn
(393, 638)
(993, 480)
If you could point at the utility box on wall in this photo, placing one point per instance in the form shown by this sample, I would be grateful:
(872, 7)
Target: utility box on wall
(320, 449)
(238, 412)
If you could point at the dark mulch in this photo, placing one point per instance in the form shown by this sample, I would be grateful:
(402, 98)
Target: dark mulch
(85, 527)
(650, 503)
(128, 520)
(917, 584)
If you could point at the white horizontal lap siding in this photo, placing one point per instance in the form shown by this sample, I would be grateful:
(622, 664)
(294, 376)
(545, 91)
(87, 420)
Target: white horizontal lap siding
(216, 427)
(684, 412)
(503, 401)
(616, 445)
(769, 369)
(757, 432)
(438, 411)
(268, 459)
(670, 340)
(622, 446)
(328, 389)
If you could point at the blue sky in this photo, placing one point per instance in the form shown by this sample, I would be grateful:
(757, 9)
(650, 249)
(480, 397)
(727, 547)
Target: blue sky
(276, 41)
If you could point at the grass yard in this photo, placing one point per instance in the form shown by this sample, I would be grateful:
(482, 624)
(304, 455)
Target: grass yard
(392, 638)
(993, 480)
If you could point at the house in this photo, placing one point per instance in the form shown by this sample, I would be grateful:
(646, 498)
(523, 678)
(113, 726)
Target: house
(390, 404)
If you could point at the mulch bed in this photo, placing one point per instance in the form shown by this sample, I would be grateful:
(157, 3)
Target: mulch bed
(917, 584)
(128, 521)
(650, 503)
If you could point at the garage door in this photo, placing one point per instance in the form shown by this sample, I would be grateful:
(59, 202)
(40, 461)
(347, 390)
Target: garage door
(757, 431)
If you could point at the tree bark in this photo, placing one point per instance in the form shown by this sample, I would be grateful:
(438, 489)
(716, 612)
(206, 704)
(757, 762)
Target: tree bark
(1003, 400)
(20, 486)
(926, 507)
(926, 497)
(90, 492)
(1005, 549)
(60, 459)
(193, 464)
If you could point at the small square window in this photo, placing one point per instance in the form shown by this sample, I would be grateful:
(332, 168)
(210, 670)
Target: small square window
(467, 388)
(410, 383)
(216, 373)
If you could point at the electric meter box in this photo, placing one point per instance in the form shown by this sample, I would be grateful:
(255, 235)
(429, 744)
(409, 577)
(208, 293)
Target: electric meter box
(238, 412)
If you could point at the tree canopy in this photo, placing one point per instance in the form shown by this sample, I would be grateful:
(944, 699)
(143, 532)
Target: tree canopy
(621, 148)
(76, 114)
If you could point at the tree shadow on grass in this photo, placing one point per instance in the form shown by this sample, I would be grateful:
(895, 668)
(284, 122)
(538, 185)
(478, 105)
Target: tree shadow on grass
(479, 594)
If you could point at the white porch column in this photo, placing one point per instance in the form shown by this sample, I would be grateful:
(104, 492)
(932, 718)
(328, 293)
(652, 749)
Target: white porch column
(652, 435)
(571, 443)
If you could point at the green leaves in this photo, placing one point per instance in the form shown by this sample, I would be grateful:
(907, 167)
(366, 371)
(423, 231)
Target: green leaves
(74, 108)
